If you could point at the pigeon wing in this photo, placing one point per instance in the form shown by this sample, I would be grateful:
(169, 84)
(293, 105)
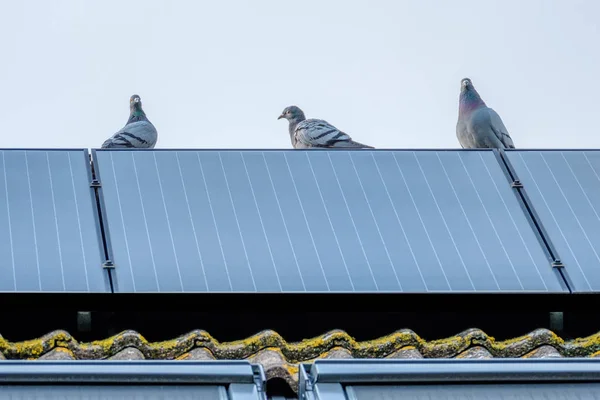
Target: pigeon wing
(499, 129)
(319, 133)
(141, 134)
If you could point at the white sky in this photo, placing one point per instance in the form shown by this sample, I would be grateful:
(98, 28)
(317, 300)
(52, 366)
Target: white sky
(216, 74)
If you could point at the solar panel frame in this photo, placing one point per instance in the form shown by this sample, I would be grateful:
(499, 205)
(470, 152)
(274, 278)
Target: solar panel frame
(103, 277)
(573, 278)
(117, 288)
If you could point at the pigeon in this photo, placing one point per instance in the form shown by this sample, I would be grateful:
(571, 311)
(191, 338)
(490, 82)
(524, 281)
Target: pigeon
(310, 133)
(138, 132)
(478, 125)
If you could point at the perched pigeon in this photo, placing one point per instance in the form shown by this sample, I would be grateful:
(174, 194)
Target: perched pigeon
(138, 132)
(478, 125)
(308, 133)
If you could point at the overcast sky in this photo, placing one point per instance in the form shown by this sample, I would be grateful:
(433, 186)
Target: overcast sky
(216, 74)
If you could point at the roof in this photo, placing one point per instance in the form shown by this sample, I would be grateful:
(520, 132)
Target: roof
(281, 359)
(565, 378)
(208, 380)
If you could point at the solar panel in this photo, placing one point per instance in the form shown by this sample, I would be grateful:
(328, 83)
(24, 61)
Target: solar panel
(48, 223)
(97, 392)
(130, 379)
(564, 189)
(317, 221)
(450, 379)
(512, 391)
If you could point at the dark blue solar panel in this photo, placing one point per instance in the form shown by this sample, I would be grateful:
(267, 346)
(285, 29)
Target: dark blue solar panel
(48, 223)
(564, 189)
(273, 221)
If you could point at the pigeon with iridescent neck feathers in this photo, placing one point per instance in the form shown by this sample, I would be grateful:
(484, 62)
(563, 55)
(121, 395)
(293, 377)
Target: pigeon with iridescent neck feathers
(315, 133)
(478, 125)
(138, 132)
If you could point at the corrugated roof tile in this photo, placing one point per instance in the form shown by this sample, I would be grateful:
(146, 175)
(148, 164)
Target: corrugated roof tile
(280, 358)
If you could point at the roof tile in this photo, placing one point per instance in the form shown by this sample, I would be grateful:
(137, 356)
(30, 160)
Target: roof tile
(129, 353)
(280, 358)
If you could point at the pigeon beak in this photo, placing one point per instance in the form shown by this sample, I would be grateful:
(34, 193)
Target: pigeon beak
(136, 100)
(281, 116)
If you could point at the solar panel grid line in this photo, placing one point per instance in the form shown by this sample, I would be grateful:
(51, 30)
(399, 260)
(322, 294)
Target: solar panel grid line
(56, 244)
(162, 196)
(35, 243)
(571, 207)
(145, 220)
(583, 192)
(305, 220)
(527, 248)
(513, 223)
(78, 214)
(370, 175)
(215, 223)
(12, 252)
(240, 201)
(331, 225)
(237, 221)
(401, 225)
(89, 196)
(424, 228)
(187, 202)
(259, 179)
(353, 222)
(287, 232)
(430, 194)
(427, 230)
(354, 209)
(562, 187)
(530, 176)
(60, 256)
(525, 211)
(80, 211)
(445, 223)
(270, 213)
(372, 227)
(487, 263)
(122, 221)
(531, 214)
(466, 218)
(493, 180)
(364, 193)
(262, 225)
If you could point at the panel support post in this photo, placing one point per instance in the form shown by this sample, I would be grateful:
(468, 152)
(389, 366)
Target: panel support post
(84, 321)
(557, 322)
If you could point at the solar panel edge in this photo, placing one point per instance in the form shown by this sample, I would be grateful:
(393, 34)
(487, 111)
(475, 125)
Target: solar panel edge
(534, 219)
(95, 215)
(102, 226)
(95, 199)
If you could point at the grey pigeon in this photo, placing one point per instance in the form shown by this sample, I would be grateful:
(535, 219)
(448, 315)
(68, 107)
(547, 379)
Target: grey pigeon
(138, 132)
(309, 133)
(478, 125)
